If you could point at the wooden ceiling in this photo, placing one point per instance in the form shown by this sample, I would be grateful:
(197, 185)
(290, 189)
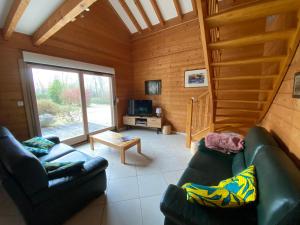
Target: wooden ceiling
(139, 17)
(147, 16)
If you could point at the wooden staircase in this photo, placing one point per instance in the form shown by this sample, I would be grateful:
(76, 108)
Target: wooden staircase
(248, 48)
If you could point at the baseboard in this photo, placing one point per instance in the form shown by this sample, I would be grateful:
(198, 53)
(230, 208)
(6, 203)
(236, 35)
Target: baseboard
(180, 133)
(121, 129)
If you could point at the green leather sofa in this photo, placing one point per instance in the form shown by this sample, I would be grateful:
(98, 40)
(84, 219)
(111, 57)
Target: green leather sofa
(278, 181)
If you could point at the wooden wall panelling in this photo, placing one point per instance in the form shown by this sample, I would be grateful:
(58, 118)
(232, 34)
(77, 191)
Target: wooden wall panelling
(166, 55)
(283, 117)
(86, 47)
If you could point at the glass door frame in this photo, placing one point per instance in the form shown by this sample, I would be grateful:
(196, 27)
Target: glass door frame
(112, 102)
(85, 135)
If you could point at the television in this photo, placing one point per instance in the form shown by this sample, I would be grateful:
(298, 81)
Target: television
(140, 108)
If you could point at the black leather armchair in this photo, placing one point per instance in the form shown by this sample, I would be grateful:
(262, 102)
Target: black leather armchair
(278, 181)
(44, 201)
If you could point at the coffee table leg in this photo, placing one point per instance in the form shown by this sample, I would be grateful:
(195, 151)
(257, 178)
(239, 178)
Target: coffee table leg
(92, 143)
(122, 156)
(139, 147)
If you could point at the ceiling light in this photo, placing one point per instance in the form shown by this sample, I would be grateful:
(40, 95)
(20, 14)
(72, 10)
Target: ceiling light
(87, 9)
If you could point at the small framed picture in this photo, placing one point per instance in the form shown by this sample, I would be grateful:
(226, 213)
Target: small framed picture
(195, 78)
(296, 92)
(153, 87)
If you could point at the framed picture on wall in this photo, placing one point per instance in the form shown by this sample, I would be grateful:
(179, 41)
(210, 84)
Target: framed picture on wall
(153, 87)
(195, 78)
(296, 91)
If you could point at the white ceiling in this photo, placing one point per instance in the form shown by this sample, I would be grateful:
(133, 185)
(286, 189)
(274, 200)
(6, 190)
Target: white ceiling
(34, 16)
(4, 9)
(36, 13)
(166, 7)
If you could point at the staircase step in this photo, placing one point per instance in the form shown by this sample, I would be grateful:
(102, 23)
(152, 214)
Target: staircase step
(234, 123)
(241, 101)
(236, 116)
(244, 90)
(253, 11)
(264, 59)
(254, 77)
(240, 110)
(253, 39)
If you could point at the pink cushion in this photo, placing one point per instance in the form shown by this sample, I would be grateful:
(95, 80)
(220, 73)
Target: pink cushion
(225, 142)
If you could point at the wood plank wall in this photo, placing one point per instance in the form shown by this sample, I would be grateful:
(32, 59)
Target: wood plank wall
(108, 45)
(283, 118)
(165, 56)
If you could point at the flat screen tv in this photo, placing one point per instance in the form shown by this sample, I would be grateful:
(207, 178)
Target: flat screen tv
(140, 108)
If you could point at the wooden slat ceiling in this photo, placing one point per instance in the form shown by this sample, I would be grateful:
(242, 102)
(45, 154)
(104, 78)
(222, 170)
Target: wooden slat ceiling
(140, 16)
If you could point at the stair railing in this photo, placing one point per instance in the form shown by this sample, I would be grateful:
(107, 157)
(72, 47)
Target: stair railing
(198, 118)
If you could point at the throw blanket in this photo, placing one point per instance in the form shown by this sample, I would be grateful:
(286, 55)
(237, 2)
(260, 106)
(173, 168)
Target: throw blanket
(225, 142)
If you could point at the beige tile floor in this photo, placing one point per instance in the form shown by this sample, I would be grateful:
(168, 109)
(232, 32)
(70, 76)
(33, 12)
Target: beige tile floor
(134, 190)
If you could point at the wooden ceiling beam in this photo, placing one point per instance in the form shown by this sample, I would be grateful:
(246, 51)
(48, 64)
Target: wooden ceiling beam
(178, 9)
(253, 39)
(256, 10)
(65, 13)
(131, 16)
(15, 13)
(157, 12)
(143, 13)
(264, 59)
(255, 77)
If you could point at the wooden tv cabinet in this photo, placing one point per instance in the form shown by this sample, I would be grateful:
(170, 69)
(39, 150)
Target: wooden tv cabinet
(143, 121)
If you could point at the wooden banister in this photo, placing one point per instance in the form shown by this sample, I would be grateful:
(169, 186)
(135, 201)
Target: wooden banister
(189, 122)
(198, 117)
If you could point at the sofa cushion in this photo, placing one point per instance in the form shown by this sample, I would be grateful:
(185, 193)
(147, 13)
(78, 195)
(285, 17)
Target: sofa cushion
(39, 142)
(278, 187)
(256, 138)
(211, 165)
(57, 151)
(63, 169)
(91, 168)
(230, 193)
(38, 152)
(205, 177)
(180, 211)
(238, 163)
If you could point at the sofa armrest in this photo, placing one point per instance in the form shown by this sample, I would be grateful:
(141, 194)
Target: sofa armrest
(95, 165)
(52, 138)
(92, 168)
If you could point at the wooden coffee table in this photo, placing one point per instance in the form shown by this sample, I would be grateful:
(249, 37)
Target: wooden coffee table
(114, 140)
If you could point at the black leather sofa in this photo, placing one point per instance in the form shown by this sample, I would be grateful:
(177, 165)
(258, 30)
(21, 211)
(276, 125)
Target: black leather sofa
(278, 181)
(40, 200)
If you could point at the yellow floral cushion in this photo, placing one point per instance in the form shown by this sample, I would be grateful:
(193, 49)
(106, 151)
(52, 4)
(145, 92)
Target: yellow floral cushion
(233, 192)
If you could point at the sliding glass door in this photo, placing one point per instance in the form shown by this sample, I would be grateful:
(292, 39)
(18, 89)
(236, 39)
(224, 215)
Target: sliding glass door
(71, 104)
(99, 102)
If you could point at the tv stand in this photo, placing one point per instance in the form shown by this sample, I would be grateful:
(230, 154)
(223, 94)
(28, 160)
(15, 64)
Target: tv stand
(143, 121)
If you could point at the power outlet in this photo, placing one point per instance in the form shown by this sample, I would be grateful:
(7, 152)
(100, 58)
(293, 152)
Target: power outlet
(20, 103)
